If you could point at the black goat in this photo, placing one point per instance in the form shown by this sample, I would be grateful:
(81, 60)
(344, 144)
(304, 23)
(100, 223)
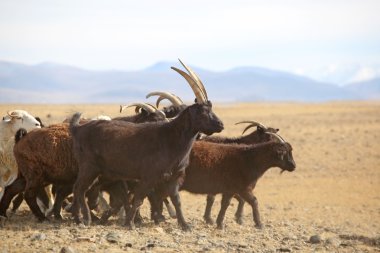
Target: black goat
(154, 151)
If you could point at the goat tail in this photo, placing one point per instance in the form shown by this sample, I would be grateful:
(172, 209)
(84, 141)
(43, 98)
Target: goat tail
(19, 134)
(74, 122)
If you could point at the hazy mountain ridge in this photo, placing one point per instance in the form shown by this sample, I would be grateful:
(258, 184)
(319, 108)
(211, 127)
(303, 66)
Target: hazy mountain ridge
(55, 83)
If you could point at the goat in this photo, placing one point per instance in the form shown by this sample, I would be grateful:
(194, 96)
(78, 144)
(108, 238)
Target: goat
(258, 136)
(148, 152)
(234, 169)
(44, 157)
(144, 113)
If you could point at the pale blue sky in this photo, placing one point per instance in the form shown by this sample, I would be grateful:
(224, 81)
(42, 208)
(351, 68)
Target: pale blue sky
(310, 37)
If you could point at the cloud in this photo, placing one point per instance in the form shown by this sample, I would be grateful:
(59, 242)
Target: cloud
(365, 74)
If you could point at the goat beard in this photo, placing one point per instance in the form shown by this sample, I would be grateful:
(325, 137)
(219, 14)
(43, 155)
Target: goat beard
(282, 171)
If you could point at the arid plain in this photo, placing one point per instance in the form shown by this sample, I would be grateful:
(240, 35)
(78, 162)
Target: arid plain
(333, 195)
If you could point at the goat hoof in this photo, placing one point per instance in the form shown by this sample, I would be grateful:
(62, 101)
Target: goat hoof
(220, 226)
(259, 226)
(58, 217)
(43, 220)
(138, 220)
(3, 219)
(103, 221)
(239, 221)
(185, 227)
(130, 225)
(209, 220)
(86, 223)
(158, 219)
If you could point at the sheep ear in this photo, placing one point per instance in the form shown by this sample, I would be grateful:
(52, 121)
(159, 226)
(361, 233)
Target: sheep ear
(276, 130)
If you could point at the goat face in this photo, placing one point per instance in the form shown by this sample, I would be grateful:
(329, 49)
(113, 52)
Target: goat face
(284, 157)
(204, 119)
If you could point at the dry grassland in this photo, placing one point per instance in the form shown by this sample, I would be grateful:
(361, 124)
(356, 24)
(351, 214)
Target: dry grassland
(334, 192)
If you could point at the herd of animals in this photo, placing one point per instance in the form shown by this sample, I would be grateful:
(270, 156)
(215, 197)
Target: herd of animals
(154, 154)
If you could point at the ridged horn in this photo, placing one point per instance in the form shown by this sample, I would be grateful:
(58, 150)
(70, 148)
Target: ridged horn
(278, 137)
(251, 124)
(175, 100)
(194, 86)
(146, 107)
(13, 114)
(195, 77)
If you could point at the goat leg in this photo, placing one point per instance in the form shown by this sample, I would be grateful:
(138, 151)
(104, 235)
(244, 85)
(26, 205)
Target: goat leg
(9, 192)
(141, 192)
(239, 210)
(31, 199)
(226, 199)
(170, 209)
(209, 203)
(85, 178)
(173, 187)
(16, 202)
(252, 200)
(156, 207)
(61, 193)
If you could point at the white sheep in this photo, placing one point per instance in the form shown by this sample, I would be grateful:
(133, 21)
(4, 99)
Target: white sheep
(9, 125)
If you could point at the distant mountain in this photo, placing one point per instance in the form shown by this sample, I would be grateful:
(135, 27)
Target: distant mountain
(54, 83)
(366, 89)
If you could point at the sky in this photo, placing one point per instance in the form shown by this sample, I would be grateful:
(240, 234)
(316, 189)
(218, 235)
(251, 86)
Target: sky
(330, 40)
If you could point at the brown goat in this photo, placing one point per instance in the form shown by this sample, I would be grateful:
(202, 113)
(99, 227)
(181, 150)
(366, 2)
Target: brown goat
(260, 135)
(234, 169)
(43, 157)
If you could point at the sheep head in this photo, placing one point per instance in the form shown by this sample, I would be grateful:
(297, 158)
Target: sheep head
(17, 119)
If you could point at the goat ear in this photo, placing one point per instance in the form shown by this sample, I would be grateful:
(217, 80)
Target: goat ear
(144, 112)
(260, 130)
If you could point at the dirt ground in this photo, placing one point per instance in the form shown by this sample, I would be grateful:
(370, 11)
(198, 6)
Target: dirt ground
(333, 195)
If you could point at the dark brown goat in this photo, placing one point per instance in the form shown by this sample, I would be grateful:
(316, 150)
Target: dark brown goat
(259, 136)
(234, 169)
(148, 152)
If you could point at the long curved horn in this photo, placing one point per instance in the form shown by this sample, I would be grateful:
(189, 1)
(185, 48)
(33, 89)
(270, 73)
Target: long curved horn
(195, 77)
(175, 100)
(194, 86)
(251, 124)
(13, 114)
(146, 107)
(156, 110)
(278, 137)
